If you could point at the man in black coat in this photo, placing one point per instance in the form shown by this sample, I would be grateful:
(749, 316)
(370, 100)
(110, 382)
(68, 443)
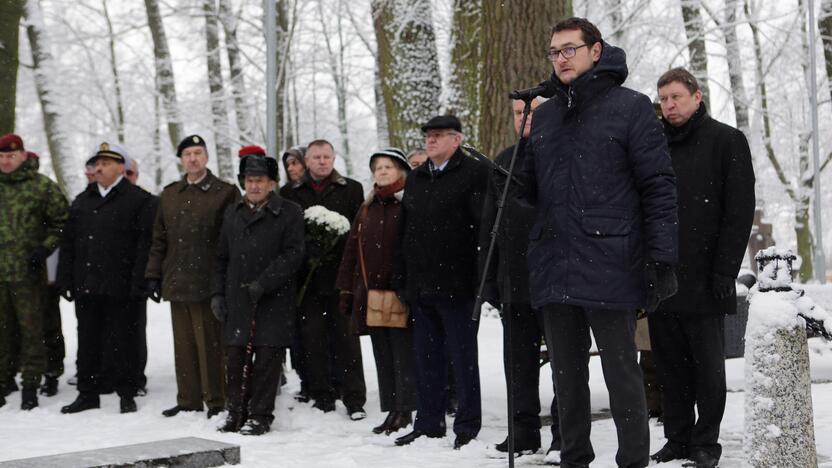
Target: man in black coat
(715, 180)
(508, 284)
(325, 333)
(101, 266)
(437, 276)
(253, 292)
(604, 242)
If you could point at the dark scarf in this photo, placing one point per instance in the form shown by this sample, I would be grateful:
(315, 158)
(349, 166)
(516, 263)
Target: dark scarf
(389, 191)
(676, 134)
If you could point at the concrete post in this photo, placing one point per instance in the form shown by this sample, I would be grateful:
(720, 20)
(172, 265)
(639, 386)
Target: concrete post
(779, 428)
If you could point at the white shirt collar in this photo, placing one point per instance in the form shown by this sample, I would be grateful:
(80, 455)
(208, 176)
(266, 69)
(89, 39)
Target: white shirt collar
(440, 167)
(104, 191)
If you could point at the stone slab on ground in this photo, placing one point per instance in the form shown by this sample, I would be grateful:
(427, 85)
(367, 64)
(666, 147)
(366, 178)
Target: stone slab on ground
(186, 452)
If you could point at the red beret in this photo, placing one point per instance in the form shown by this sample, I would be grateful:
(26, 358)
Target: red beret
(32, 155)
(251, 150)
(11, 142)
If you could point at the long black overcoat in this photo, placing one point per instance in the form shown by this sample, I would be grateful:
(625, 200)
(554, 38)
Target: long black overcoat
(265, 246)
(715, 181)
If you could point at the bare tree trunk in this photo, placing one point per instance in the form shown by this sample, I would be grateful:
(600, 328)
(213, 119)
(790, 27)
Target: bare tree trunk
(164, 71)
(409, 68)
(335, 60)
(464, 82)
(825, 28)
(283, 44)
(517, 35)
(695, 31)
(10, 13)
(732, 48)
(157, 143)
(219, 109)
(235, 65)
(60, 150)
(119, 114)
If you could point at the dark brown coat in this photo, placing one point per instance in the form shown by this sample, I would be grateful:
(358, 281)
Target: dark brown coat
(377, 226)
(185, 236)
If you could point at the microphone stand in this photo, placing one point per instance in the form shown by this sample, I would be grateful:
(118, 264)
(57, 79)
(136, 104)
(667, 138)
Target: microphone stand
(507, 312)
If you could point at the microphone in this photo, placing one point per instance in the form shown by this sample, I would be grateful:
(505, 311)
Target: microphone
(545, 89)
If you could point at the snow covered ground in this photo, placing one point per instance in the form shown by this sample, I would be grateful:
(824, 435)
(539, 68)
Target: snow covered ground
(303, 437)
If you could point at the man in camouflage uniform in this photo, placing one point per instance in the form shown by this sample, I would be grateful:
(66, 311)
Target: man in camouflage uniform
(32, 216)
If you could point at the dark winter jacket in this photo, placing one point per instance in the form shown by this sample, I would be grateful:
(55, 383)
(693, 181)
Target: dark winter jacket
(715, 181)
(440, 234)
(377, 225)
(106, 240)
(265, 246)
(509, 268)
(599, 171)
(342, 195)
(185, 236)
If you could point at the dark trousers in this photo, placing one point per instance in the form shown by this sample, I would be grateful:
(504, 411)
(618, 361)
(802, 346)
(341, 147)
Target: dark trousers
(443, 329)
(137, 342)
(568, 339)
(526, 337)
(261, 385)
(324, 328)
(690, 360)
(393, 353)
(53, 335)
(104, 324)
(197, 355)
(651, 382)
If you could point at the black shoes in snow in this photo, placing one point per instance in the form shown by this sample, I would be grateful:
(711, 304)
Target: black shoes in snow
(395, 421)
(409, 438)
(670, 452)
(462, 440)
(213, 412)
(356, 414)
(324, 404)
(127, 404)
(83, 402)
(49, 387)
(522, 444)
(232, 423)
(28, 399)
(701, 458)
(254, 427)
(171, 412)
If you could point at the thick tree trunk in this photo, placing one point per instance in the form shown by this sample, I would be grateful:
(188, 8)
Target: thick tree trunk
(235, 65)
(516, 35)
(409, 68)
(60, 150)
(164, 71)
(464, 82)
(119, 113)
(219, 109)
(10, 13)
(695, 31)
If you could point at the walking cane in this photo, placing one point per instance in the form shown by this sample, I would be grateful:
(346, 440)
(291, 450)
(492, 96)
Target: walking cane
(249, 357)
(506, 307)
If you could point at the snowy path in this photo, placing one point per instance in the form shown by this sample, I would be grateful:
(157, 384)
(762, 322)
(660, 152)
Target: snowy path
(303, 437)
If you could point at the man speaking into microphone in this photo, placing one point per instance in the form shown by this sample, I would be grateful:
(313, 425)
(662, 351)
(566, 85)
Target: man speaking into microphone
(604, 240)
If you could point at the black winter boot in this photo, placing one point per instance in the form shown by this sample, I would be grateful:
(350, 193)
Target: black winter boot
(232, 423)
(8, 387)
(84, 401)
(127, 405)
(50, 386)
(28, 399)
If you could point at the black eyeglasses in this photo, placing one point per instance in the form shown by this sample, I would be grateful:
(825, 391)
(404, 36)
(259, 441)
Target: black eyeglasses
(566, 52)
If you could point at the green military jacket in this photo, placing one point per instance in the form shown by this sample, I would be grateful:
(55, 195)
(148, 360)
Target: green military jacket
(185, 236)
(33, 212)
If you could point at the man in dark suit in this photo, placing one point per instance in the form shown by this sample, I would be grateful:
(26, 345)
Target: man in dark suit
(101, 266)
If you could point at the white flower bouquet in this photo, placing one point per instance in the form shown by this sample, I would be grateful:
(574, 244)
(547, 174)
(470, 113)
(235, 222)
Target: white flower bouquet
(324, 228)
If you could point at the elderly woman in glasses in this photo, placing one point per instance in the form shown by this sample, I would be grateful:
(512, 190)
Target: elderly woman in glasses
(367, 266)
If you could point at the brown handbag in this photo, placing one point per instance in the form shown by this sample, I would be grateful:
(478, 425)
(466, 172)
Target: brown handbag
(384, 309)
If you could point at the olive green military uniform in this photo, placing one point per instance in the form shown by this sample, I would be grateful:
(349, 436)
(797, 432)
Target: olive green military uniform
(185, 237)
(32, 215)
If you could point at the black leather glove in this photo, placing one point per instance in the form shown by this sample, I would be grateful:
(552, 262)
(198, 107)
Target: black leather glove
(35, 263)
(219, 308)
(153, 289)
(661, 284)
(255, 292)
(723, 286)
(67, 294)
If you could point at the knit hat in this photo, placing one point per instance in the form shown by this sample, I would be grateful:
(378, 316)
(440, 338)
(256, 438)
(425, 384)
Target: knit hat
(395, 154)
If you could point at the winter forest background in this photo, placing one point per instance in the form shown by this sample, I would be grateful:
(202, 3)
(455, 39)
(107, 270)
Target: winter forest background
(366, 73)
